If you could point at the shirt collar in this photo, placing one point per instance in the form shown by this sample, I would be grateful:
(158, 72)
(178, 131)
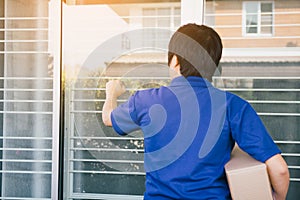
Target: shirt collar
(193, 81)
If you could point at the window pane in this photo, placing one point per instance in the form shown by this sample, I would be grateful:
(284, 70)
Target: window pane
(266, 18)
(149, 20)
(251, 17)
(177, 18)
(164, 20)
(266, 7)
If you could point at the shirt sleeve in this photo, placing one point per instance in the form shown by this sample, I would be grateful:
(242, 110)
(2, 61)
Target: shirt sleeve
(250, 133)
(123, 118)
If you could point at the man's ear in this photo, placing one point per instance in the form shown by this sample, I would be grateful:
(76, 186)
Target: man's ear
(174, 62)
(175, 66)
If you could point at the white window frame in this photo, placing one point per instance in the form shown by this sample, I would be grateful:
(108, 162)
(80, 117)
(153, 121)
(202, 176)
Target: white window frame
(55, 48)
(172, 17)
(139, 12)
(137, 16)
(244, 17)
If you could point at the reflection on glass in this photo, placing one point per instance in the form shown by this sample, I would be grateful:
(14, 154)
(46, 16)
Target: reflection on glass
(135, 52)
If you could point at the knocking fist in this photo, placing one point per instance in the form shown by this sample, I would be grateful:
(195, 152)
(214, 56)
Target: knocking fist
(115, 88)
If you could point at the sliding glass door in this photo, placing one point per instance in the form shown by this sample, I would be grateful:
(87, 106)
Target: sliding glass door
(105, 40)
(27, 138)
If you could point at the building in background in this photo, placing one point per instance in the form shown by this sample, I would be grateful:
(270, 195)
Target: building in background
(265, 33)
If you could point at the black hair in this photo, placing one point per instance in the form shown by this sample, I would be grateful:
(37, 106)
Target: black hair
(208, 39)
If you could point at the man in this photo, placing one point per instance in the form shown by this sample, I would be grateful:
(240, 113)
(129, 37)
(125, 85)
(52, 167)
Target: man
(190, 127)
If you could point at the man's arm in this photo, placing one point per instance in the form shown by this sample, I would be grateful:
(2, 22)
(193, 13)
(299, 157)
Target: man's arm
(279, 176)
(114, 89)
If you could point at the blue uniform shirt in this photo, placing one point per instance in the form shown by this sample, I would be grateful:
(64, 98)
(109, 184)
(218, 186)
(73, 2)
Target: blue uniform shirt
(190, 128)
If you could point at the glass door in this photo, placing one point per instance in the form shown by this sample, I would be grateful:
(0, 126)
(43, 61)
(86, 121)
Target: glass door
(29, 97)
(128, 41)
(102, 42)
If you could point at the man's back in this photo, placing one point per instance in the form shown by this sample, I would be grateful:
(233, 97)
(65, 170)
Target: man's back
(175, 120)
(189, 129)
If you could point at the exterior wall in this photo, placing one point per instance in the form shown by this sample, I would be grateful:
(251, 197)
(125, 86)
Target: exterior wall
(233, 36)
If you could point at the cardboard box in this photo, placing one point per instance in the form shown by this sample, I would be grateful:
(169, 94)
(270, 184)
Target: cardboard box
(247, 178)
